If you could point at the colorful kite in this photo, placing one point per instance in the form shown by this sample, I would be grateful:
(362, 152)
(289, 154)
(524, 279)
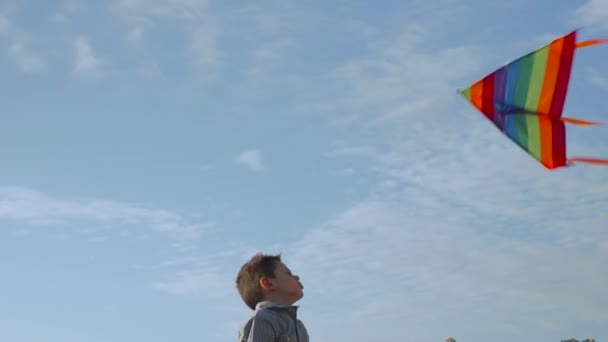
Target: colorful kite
(525, 99)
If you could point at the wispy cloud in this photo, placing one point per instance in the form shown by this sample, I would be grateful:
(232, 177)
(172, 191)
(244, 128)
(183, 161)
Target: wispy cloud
(345, 172)
(266, 56)
(597, 78)
(400, 77)
(343, 150)
(204, 48)
(5, 24)
(189, 271)
(175, 9)
(25, 59)
(20, 50)
(150, 70)
(38, 209)
(195, 283)
(85, 60)
(592, 14)
(203, 274)
(253, 159)
(276, 24)
(135, 36)
(192, 17)
(396, 257)
(67, 10)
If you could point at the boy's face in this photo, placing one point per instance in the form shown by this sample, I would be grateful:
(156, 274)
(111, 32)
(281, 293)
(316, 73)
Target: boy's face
(286, 285)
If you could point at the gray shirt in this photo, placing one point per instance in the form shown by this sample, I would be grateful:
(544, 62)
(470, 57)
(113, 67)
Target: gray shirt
(272, 322)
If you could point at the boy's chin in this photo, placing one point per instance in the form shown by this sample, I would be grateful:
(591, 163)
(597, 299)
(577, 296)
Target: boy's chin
(294, 297)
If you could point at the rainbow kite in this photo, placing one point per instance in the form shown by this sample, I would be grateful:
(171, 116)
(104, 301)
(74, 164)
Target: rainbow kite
(525, 99)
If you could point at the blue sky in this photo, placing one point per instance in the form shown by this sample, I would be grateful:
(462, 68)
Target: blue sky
(149, 148)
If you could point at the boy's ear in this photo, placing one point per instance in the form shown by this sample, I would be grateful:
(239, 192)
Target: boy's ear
(266, 283)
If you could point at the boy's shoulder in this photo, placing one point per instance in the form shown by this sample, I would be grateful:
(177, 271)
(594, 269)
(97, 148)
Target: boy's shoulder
(274, 320)
(275, 315)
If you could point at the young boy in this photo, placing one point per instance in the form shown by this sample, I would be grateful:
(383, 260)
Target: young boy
(268, 287)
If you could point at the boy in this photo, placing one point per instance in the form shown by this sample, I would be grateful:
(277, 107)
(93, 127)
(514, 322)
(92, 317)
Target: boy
(267, 286)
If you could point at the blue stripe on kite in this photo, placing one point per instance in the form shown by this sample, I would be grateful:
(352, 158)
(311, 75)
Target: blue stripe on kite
(511, 126)
(511, 83)
(510, 89)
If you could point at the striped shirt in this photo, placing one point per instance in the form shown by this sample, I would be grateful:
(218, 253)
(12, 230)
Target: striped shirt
(273, 322)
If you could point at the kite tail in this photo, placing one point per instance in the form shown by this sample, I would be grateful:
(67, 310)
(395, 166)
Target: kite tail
(595, 161)
(581, 122)
(586, 160)
(591, 42)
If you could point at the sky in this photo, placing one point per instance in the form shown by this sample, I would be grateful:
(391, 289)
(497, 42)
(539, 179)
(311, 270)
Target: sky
(149, 148)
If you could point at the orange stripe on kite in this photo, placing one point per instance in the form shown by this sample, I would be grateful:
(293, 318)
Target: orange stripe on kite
(546, 140)
(477, 95)
(551, 72)
(546, 97)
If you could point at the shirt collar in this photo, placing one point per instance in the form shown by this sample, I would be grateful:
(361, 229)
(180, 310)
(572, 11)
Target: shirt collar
(292, 309)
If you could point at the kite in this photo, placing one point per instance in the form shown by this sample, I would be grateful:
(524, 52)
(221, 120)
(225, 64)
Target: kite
(525, 99)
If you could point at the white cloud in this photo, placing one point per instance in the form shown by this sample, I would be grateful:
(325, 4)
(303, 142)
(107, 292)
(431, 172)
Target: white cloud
(345, 172)
(397, 79)
(176, 9)
(202, 274)
(67, 10)
(135, 35)
(204, 47)
(268, 55)
(5, 24)
(253, 159)
(73, 6)
(469, 223)
(25, 59)
(60, 18)
(85, 60)
(596, 78)
(593, 14)
(192, 17)
(208, 281)
(20, 50)
(39, 210)
(194, 283)
(267, 20)
(343, 150)
(429, 263)
(150, 70)
(21, 233)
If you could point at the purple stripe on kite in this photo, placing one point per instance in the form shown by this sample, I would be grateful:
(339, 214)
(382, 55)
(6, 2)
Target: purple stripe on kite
(500, 80)
(511, 82)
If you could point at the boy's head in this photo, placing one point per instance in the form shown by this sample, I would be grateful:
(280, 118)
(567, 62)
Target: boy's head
(265, 277)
